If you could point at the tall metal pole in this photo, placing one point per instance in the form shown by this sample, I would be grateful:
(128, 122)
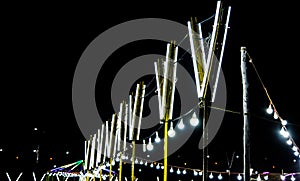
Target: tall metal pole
(205, 140)
(246, 136)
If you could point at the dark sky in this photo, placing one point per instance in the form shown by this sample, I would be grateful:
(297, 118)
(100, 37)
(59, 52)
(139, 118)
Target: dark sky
(42, 46)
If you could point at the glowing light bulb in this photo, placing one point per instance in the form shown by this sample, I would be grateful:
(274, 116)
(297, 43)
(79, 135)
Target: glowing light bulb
(136, 161)
(151, 165)
(200, 173)
(266, 177)
(293, 178)
(195, 173)
(157, 139)
(150, 145)
(282, 177)
(171, 131)
(289, 142)
(171, 170)
(275, 116)
(178, 171)
(144, 146)
(284, 133)
(294, 148)
(211, 176)
(284, 122)
(194, 121)
(258, 178)
(269, 109)
(220, 177)
(296, 153)
(239, 177)
(157, 166)
(184, 171)
(180, 124)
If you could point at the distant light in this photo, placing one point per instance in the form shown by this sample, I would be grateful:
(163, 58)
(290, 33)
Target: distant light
(150, 145)
(17, 157)
(171, 131)
(239, 177)
(67, 152)
(180, 124)
(294, 160)
(220, 177)
(275, 116)
(211, 176)
(35, 129)
(284, 122)
(140, 170)
(34, 151)
(194, 121)
(293, 178)
(171, 170)
(157, 139)
(237, 156)
(50, 158)
(1, 149)
(269, 109)
(289, 142)
(54, 166)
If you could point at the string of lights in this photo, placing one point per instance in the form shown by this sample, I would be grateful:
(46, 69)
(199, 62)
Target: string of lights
(273, 110)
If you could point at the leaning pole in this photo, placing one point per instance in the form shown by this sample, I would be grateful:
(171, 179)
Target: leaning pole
(246, 135)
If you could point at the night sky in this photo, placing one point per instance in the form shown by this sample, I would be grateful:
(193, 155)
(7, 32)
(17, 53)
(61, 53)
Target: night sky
(42, 46)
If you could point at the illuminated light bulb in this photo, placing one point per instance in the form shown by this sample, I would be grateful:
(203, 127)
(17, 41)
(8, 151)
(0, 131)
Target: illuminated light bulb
(157, 139)
(220, 177)
(113, 162)
(200, 173)
(171, 170)
(157, 166)
(275, 116)
(146, 163)
(289, 142)
(282, 177)
(294, 148)
(269, 109)
(162, 167)
(293, 178)
(284, 122)
(151, 165)
(136, 161)
(171, 131)
(178, 171)
(180, 124)
(184, 171)
(195, 173)
(266, 177)
(239, 177)
(211, 176)
(258, 178)
(194, 121)
(296, 153)
(141, 162)
(284, 133)
(144, 146)
(150, 145)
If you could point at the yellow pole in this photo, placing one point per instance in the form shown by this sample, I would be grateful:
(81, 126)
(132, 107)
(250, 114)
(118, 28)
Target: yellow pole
(120, 167)
(87, 178)
(110, 169)
(166, 151)
(101, 175)
(132, 161)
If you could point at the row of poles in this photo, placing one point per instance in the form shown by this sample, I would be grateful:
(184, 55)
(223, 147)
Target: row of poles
(204, 59)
